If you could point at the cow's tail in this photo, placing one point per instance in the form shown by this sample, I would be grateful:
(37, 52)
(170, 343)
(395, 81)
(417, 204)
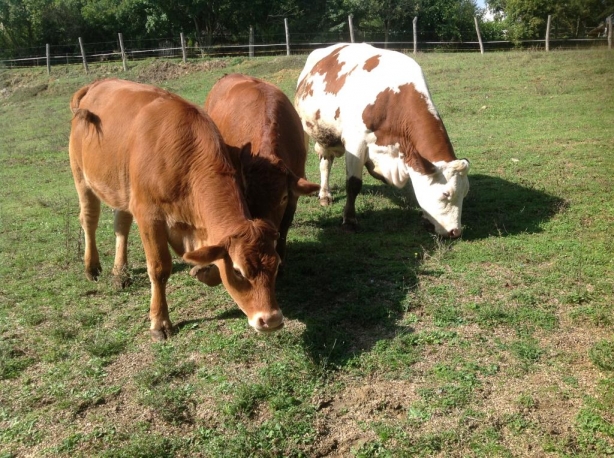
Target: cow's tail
(83, 114)
(74, 102)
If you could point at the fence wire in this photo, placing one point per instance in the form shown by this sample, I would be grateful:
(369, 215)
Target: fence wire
(171, 48)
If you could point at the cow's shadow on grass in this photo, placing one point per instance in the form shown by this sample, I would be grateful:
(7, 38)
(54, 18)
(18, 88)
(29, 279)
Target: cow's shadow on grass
(351, 290)
(493, 207)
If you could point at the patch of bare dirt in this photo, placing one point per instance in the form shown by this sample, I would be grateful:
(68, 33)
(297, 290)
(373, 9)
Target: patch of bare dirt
(344, 420)
(163, 70)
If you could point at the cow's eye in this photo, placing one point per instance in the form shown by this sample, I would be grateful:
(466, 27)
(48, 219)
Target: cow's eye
(238, 273)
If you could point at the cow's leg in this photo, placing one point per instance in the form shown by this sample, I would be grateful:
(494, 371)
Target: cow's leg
(353, 185)
(121, 223)
(326, 164)
(371, 169)
(284, 227)
(89, 215)
(159, 265)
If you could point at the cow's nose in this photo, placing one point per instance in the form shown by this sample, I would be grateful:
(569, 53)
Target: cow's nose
(454, 233)
(268, 322)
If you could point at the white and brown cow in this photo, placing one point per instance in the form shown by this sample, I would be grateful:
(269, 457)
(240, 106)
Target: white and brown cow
(374, 104)
(159, 159)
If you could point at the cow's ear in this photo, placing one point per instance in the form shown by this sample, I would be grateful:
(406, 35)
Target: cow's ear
(205, 255)
(209, 275)
(302, 187)
(460, 166)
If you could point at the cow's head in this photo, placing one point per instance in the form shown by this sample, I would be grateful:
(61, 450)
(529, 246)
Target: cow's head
(246, 263)
(440, 195)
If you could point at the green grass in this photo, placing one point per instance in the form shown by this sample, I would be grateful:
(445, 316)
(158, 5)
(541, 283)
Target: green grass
(397, 344)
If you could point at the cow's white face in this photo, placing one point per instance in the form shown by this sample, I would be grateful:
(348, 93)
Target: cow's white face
(441, 195)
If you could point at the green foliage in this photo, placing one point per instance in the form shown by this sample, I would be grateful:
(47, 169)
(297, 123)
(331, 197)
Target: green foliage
(526, 19)
(33, 23)
(12, 361)
(602, 355)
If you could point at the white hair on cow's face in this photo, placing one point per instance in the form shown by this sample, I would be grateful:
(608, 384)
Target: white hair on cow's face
(442, 194)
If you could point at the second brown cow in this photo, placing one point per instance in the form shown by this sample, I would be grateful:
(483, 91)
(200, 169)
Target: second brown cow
(263, 131)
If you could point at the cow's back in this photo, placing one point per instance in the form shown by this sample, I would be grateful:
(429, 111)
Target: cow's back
(131, 138)
(254, 112)
(338, 82)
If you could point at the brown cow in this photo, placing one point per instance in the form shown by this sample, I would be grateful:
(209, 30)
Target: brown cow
(263, 131)
(153, 156)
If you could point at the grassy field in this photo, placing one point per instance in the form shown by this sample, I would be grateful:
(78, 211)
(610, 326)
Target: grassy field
(397, 344)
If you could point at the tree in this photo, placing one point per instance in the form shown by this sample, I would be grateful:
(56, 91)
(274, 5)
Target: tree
(382, 15)
(526, 19)
(447, 20)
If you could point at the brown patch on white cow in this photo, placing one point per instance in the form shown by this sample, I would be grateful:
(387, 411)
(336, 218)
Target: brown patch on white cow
(371, 63)
(337, 113)
(317, 115)
(403, 117)
(329, 67)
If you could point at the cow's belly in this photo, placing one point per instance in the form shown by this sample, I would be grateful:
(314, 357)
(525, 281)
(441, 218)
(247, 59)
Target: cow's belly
(388, 162)
(109, 182)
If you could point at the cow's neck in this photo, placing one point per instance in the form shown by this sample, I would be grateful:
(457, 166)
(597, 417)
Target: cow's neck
(432, 145)
(220, 208)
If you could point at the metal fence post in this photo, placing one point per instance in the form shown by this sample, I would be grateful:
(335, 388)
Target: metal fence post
(477, 29)
(287, 37)
(121, 47)
(83, 56)
(610, 32)
(251, 41)
(548, 33)
(350, 17)
(415, 24)
(48, 59)
(183, 52)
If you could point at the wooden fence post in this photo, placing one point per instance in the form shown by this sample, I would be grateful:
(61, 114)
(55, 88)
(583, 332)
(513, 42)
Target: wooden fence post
(83, 56)
(287, 37)
(548, 33)
(121, 47)
(610, 32)
(183, 52)
(48, 59)
(350, 17)
(415, 23)
(477, 29)
(251, 41)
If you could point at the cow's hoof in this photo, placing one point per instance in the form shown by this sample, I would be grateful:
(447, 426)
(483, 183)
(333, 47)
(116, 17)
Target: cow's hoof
(93, 272)
(121, 281)
(326, 201)
(161, 335)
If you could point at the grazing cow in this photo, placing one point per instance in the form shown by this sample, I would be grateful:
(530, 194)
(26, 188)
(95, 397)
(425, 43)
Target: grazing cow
(375, 104)
(154, 157)
(264, 133)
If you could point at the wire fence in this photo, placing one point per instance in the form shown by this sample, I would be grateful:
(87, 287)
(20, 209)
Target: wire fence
(175, 47)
